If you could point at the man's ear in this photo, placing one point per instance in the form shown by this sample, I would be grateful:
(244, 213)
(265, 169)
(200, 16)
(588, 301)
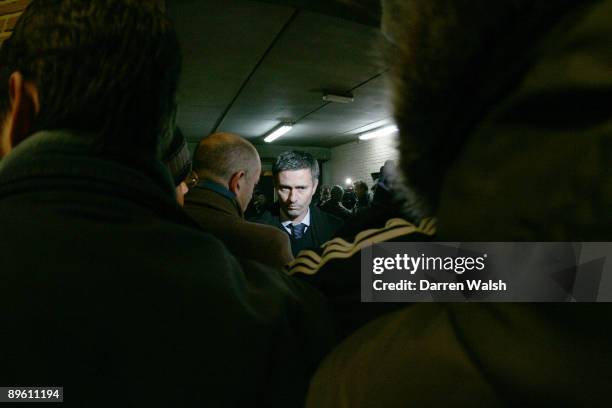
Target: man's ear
(315, 184)
(236, 181)
(24, 106)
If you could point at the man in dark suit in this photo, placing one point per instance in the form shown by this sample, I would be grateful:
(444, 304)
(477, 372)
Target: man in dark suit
(296, 176)
(228, 167)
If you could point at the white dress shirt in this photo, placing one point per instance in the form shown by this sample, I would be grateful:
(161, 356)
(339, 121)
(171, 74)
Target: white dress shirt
(306, 221)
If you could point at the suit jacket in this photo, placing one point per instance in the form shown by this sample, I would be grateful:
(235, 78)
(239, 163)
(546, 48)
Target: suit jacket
(323, 225)
(107, 284)
(221, 216)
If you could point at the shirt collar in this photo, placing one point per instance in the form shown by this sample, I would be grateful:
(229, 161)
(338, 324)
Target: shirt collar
(305, 221)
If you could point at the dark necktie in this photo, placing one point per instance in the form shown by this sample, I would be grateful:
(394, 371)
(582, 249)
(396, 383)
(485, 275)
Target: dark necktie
(298, 230)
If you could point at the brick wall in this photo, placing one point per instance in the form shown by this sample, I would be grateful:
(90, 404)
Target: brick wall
(10, 10)
(358, 159)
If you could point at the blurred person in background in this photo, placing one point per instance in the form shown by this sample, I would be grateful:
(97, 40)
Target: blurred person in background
(334, 204)
(362, 194)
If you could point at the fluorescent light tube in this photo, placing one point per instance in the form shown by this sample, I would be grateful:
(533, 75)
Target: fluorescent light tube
(338, 98)
(382, 131)
(278, 132)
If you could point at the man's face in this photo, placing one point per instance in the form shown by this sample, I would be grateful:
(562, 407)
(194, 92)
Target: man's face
(295, 189)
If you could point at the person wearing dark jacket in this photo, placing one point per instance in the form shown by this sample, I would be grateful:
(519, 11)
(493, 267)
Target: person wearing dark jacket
(108, 288)
(296, 175)
(178, 161)
(505, 135)
(334, 205)
(363, 197)
(228, 167)
(321, 227)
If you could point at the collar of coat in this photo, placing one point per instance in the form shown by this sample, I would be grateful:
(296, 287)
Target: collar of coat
(219, 191)
(66, 159)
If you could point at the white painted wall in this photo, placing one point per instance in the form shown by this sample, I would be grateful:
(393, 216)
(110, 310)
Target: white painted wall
(358, 159)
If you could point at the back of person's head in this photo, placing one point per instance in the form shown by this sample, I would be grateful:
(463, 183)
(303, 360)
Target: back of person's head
(105, 68)
(434, 46)
(325, 193)
(296, 160)
(361, 188)
(336, 194)
(221, 155)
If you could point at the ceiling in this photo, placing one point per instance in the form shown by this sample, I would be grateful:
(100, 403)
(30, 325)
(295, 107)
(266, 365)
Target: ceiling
(249, 65)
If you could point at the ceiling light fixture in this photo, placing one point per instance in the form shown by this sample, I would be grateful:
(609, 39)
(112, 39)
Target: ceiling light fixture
(338, 98)
(278, 131)
(381, 131)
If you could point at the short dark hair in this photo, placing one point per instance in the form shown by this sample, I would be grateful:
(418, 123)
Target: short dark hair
(360, 184)
(108, 68)
(336, 194)
(296, 160)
